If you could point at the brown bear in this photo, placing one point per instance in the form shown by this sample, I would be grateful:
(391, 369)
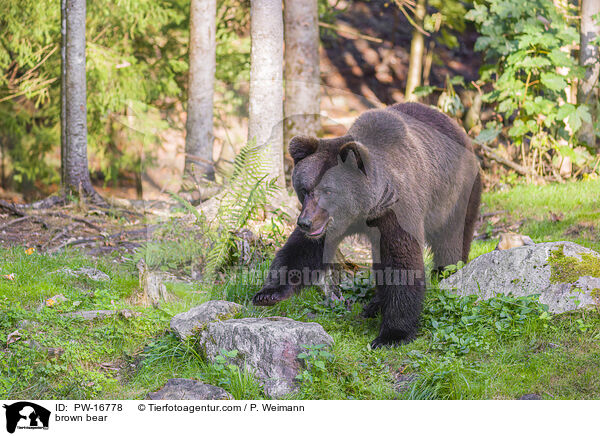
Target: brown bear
(405, 175)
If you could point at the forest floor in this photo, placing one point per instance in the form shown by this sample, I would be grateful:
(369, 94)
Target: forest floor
(510, 347)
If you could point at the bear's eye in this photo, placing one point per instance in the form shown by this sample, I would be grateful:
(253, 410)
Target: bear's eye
(327, 191)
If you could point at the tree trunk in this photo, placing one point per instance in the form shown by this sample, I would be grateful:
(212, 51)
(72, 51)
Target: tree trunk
(589, 58)
(199, 165)
(265, 125)
(417, 47)
(63, 92)
(76, 171)
(302, 86)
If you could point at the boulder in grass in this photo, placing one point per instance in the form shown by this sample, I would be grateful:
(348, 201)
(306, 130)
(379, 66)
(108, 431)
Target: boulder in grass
(187, 323)
(267, 347)
(565, 274)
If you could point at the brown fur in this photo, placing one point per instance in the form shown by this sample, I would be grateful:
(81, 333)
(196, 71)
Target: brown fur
(404, 176)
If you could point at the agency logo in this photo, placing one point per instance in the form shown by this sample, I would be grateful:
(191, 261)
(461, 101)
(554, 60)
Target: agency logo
(26, 415)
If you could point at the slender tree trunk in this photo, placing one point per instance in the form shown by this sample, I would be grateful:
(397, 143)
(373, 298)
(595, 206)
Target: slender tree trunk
(63, 93)
(417, 47)
(589, 58)
(76, 171)
(265, 125)
(199, 165)
(302, 88)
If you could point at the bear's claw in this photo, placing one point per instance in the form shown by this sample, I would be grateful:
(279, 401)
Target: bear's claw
(390, 341)
(380, 342)
(268, 297)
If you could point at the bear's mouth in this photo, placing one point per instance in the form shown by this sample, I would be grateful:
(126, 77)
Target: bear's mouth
(320, 231)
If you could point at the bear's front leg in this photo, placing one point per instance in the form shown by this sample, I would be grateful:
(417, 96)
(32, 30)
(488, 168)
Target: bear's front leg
(400, 283)
(292, 269)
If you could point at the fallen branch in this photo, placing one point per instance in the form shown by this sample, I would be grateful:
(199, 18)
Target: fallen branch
(11, 208)
(506, 162)
(349, 31)
(129, 233)
(72, 242)
(74, 218)
(24, 218)
(489, 214)
(497, 230)
(59, 235)
(47, 203)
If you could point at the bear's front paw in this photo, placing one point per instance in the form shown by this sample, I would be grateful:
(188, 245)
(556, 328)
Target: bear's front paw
(390, 341)
(270, 296)
(379, 342)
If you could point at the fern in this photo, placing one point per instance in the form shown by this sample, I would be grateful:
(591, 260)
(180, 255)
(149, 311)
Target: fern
(188, 206)
(249, 190)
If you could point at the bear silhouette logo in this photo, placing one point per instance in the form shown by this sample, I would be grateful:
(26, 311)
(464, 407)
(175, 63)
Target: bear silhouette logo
(24, 414)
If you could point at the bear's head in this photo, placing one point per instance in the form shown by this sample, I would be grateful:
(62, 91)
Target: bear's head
(331, 180)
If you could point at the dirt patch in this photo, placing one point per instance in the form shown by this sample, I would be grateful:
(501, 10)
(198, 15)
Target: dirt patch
(585, 230)
(96, 231)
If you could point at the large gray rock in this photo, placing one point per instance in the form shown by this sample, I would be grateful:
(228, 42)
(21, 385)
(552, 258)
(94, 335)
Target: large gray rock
(185, 324)
(267, 347)
(528, 270)
(186, 389)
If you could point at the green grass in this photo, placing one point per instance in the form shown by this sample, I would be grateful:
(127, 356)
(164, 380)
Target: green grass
(499, 349)
(577, 202)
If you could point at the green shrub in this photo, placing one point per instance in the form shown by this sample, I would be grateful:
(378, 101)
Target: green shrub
(527, 47)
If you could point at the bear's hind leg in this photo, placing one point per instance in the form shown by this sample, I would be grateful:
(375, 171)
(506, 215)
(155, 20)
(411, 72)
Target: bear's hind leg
(447, 247)
(402, 289)
(452, 242)
(471, 218)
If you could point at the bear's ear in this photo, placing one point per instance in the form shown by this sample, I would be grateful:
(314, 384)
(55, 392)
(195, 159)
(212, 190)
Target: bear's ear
(302, 146)
(360, 152)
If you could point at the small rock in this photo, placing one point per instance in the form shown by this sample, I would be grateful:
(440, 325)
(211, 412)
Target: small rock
(527, 270)
(128, 313)
(90, 314)
(530, 397)
(267, 348)
(513, 240)
(186, 389)
(185, 323)
(92, 273)
(93, 314)
(26, 323)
